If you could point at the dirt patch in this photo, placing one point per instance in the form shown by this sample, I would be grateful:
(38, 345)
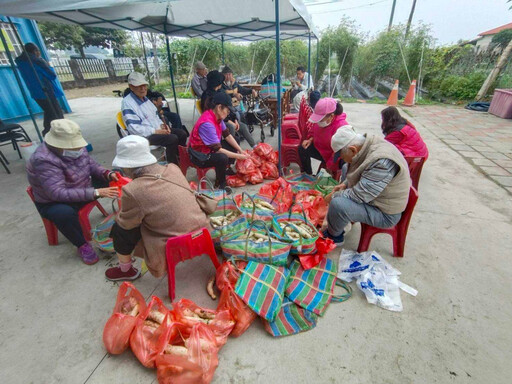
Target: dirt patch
(100, 91)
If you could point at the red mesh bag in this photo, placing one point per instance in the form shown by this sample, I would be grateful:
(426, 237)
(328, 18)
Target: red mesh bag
(269, 170)
(153, 326)
(235, 181)
(245, 167)
(256, 159)
(129, 305)
(255, 177)
(264, 150)
(241, 313)
(219, 322)
(193, 362)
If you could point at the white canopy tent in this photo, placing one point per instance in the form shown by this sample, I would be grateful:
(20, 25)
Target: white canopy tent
(226, 20)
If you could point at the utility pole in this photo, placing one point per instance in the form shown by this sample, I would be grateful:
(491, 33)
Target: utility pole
(409, 22)
(392, 14)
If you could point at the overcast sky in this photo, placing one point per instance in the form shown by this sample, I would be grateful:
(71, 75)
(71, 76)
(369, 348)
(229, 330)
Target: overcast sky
(451, 20)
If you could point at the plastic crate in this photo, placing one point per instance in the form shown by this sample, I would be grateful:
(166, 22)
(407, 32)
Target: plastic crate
(501, 104)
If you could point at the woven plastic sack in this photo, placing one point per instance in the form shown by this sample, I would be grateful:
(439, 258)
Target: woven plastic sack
(189, 313)
(325, 185)
(312, 289)
(241, 313)
(274, 250)
(226, 207)
(146, 338)
(129, 305)
(261, 287)
(248, 205)
(304, 245)
(194, 365)
(101, 233)
(291, 320)
(301, 182)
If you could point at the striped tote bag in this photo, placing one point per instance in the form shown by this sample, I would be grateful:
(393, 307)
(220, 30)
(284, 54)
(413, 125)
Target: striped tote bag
(290, 320)
(261, 287)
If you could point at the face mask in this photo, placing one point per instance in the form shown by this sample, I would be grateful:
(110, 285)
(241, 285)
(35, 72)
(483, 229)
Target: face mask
(72, 154)
(228, 83)
(323, 124)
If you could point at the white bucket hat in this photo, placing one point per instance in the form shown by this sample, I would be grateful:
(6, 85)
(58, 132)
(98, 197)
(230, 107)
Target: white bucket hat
(65, 134)
(133, 152)
(136, 79)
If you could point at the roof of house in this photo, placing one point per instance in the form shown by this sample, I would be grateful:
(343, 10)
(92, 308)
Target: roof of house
(496, 30)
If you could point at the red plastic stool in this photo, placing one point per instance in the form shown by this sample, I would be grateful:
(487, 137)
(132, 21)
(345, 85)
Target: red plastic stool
(398, 232)
(290, 154)
(188, 246)
(185, 163)
(415, 164)
(52, 232)
(291, 131)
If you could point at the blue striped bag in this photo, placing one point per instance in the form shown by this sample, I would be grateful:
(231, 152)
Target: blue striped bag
(101, 233)
(249, 206)
(210, 190)
(274, 250)
(226, 207)
(261, 287)
(301, 182)
(313, 289)
(290, 320)
(303, 245)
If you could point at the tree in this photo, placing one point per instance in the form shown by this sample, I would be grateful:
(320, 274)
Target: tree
(67, 36)
(501, 39)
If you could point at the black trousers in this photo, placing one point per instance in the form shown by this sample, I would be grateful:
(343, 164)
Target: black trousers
(170, 142)
(306, 155)
(52, 111)
(218, 160)
(124, 240)
(175, 120)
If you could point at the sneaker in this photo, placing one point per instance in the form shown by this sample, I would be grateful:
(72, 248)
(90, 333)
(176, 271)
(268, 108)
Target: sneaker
(230, 172)
(338, 240)
(88, 255)
(115, 274)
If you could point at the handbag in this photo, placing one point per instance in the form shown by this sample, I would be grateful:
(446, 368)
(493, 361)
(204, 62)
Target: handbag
(198, 156)
(207, 204)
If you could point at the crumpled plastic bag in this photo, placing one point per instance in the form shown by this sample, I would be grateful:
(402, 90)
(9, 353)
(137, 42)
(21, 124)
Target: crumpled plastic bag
(241, 313)
(195, 364)
(323, 247)
(246, 166)
(313, 204)
(352, 264)
(219, 322)
(235, 181)
(255, 177)
(279, 190)
(129, 306)
(269, 170)
(264, 150)
(228, 273)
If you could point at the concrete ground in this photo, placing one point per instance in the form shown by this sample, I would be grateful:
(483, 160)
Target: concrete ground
(458, 329)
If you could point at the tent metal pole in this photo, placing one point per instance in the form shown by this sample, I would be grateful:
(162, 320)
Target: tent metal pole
(20, 85)
(317, 49)
(278, 72)
(222, 44)
(145, 58)
(171, 73)
(309, 58)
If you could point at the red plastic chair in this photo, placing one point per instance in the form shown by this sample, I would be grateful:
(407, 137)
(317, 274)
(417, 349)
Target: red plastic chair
(415, 164)
(52, 232)
(398, 232)
(184, 247)
(291, 116)
(291, 132)
(185, 163)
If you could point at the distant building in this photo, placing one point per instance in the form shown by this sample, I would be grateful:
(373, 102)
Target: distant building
(485, 38)
(12, 105)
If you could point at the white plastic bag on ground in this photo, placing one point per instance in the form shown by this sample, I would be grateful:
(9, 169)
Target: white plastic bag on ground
(353, 264)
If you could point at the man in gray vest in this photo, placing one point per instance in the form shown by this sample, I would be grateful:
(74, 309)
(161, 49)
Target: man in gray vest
(376, 188)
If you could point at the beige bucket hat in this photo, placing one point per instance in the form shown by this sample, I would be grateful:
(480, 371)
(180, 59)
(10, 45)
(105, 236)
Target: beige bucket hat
(66, 134)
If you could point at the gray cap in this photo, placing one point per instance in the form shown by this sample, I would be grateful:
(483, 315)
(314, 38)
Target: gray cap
(200, 65)
(136, 79)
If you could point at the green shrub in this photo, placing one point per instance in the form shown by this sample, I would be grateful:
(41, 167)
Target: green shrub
(462, 87)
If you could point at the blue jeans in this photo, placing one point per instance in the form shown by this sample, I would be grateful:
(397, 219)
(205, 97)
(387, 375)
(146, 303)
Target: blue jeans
(343, 210)
(65, 217)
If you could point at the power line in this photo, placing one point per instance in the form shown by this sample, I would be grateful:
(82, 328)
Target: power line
(346, 9)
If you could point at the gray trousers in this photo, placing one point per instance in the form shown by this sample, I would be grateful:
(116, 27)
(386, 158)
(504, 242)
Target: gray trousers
(343, 210)
(243, 131)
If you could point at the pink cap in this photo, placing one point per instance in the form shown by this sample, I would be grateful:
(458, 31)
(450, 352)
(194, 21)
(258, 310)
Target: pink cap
(323, 107)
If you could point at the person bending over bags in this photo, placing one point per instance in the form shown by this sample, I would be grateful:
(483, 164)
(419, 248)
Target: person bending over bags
(156, 205)
(328, 117)
(62, 175)
(206, 147)
(376, 189)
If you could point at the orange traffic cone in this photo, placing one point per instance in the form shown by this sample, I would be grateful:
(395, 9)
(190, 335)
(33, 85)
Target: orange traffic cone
(393, 96)
(409, 98)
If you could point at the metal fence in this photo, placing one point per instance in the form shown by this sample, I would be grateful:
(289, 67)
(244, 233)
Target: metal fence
(63, 69)
(92, 68)
(122, 66)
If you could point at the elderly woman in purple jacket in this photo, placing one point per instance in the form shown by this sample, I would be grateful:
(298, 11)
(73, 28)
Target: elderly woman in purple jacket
(60, 172)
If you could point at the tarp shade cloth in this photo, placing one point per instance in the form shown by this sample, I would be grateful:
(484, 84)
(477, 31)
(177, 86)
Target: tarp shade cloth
(251, 20)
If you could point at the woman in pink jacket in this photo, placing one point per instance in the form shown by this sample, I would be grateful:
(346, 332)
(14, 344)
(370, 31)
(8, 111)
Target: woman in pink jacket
(328, 117)
(402, 134)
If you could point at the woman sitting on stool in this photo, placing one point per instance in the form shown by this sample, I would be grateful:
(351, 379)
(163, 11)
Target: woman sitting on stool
(156, 205)
(328, 117)
(60, 173)
(206, 147)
